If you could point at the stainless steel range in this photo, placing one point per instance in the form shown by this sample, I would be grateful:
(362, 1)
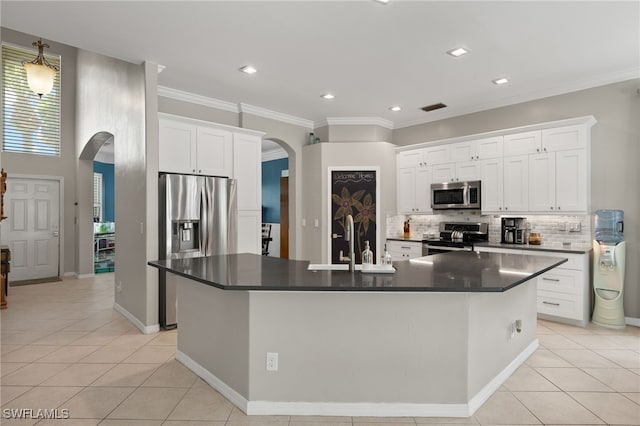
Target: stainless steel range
(456, 237)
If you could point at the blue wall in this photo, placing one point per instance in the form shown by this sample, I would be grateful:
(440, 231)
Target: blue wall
(271, 172)
(108, 190)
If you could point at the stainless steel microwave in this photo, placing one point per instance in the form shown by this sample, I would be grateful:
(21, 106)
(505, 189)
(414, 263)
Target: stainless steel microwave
(455, 195)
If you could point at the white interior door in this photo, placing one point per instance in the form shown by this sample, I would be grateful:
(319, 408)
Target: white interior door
(32, 229)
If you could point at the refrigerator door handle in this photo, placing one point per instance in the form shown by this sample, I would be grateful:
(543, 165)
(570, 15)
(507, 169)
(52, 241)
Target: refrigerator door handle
(204, 221)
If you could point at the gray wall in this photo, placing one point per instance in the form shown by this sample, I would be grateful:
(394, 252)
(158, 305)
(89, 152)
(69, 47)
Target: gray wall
(354, 133)
(615, 150)
(317, 159)
(111, 98)
(200, 112)
(64, 165)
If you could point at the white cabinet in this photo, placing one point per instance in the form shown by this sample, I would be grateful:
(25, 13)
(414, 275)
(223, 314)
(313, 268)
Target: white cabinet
(440, 154)
(413, 158)
(177, 151)
(456, 172)
(492, 181)
(563, 292)
(193, 149)
(214, 152)
(477, 150)
(404, 250)
(516, 184)
(414, 190)
(247, 170)
(546, 140)
(558, 181)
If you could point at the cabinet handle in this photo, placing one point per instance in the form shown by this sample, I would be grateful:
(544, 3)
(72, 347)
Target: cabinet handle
(405, 247)
(506, 208)
(477, 157)
(499, 208)
(550, 303)
(551, 207)
(472, 157)
(544, 149)
(558, 207)
(551, 279)
(194, 170)
(199, 171)
(537, 149)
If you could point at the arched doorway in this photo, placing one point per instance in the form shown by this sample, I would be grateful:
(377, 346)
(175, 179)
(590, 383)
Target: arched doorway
(275, 197)
(99, 152)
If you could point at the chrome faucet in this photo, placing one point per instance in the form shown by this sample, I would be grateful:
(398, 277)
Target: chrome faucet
(348, 236)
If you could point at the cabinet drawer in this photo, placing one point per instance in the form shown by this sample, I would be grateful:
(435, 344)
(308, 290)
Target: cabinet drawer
(402, 250)
(562, 281)
(561, 305)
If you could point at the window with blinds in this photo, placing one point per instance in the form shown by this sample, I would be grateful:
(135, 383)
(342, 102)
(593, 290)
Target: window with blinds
(31, 124)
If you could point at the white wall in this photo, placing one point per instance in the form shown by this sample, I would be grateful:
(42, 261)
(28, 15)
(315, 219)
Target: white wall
(615, 150)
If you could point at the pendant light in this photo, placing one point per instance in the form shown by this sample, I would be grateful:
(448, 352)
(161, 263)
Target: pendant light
(40, 73)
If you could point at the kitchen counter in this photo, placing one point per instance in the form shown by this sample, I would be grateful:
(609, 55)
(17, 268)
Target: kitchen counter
(558, 248)
(436, 338)
(451, 272)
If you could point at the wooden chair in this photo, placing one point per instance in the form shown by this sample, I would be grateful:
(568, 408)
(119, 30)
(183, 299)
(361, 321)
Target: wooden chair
(266, 238)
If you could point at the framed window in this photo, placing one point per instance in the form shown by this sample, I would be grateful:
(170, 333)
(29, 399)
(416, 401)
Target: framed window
(31, 124)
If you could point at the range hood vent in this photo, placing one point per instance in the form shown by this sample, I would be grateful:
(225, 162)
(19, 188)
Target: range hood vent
(433, 107)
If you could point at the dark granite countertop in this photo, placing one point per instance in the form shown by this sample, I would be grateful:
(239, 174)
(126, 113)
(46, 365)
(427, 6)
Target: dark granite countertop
(573, 248)
(447, 272)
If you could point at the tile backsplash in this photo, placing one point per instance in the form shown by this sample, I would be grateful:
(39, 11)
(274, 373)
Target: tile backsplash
(555, 229)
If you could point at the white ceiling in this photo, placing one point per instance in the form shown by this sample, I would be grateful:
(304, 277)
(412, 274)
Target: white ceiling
(370, 55)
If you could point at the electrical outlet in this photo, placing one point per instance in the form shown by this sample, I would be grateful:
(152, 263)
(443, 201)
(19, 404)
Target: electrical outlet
(272, 361)
(562, 226)
(574, 227)
(119, 286)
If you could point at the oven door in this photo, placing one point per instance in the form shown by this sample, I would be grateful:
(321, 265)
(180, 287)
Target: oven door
(436, 248)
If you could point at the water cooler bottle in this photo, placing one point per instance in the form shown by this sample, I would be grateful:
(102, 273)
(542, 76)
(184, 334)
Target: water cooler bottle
(608, 268)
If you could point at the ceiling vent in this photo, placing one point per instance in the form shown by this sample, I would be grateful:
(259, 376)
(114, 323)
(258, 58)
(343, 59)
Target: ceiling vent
(433, 107)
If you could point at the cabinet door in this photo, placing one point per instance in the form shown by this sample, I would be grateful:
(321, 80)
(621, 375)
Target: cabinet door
(438, 155)
(423, 190)
(563, 138)
(463, 151)
(214, 152)
(571, 181)
(489, 148)
(492, 179)
(522, 143)
(468, 170)
(443, 173)
(176, 150)
(542, 182)
(516, 183)
(247, 167)
(413, 158)
(249, 231)
(406, 190)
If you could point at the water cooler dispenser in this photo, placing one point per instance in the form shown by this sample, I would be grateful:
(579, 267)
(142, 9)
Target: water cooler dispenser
(608, 268)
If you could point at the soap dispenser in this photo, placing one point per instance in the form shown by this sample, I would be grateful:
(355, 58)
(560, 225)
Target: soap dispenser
(367, 255)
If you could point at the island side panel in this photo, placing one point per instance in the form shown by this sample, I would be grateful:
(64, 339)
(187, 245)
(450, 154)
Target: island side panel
(491, 347)
(213, 330)
(359, 347)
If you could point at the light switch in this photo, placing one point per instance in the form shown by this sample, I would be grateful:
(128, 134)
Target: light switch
(304, 222)
(316, 223)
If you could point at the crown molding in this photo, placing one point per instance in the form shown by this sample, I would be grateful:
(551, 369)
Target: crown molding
(355, 121)
(274, 115)
(180, 95)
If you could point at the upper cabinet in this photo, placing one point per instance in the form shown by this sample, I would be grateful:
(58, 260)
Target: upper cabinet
(194, 149)
(247, 170)
(540, 169)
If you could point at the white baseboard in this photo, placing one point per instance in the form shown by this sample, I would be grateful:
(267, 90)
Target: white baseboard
(70, 274)
(488, 390)
(632, 321)
(228, 392)
(145, 329)
(372, 409)
(81, 276)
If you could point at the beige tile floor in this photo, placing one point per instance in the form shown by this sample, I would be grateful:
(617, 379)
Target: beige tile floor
(63, 346)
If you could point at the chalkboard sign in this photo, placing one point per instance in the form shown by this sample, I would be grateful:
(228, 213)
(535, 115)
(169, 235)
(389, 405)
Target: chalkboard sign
(353, 192)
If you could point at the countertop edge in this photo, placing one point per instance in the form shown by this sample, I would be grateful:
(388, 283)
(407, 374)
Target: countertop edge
(528, 247)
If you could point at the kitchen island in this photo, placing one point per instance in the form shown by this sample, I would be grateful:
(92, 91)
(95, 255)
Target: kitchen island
(436, 338)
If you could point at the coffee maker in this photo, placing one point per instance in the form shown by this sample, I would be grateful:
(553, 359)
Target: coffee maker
(514, 230)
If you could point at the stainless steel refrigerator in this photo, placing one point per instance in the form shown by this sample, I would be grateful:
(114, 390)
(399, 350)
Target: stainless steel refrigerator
(198, 217)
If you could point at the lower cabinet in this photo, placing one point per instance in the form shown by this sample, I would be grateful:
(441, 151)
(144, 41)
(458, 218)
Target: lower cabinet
(563, 292)
(403, 250)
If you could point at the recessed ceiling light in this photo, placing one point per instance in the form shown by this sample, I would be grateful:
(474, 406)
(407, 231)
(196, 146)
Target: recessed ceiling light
(395, 108)
(382, 1)
(328, 96)
(248, 69)
(459, 51)
(500, 81)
